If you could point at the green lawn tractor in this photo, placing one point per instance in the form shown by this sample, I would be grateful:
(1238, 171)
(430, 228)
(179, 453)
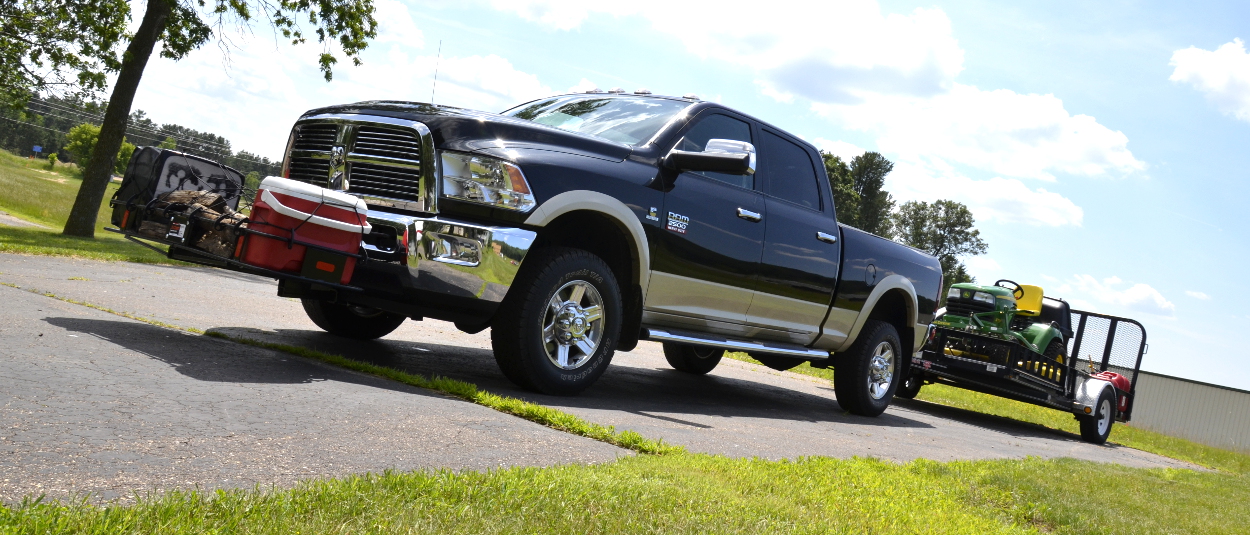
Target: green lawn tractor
(1010, 340)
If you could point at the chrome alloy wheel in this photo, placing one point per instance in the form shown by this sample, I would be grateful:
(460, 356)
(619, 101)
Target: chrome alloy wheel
(1104, 417)
(573, 324)
(881, 370)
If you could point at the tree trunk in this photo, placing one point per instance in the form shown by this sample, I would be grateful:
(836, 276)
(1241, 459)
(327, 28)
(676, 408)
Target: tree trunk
(99, 169)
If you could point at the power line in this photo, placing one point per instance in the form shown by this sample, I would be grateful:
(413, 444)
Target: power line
(100, 118)
(253, 160)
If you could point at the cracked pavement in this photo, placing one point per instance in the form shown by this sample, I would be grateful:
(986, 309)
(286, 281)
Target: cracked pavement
(158, 409)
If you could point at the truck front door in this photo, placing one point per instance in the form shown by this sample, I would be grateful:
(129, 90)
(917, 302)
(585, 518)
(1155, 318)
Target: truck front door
(706, 260)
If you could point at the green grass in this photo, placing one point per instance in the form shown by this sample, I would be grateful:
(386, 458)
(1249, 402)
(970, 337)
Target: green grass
(31, 192)
(690, 493)
(1124, 434)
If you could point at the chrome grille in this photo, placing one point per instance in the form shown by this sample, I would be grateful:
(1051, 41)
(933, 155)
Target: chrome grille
(384, 159)
(315, 136)
(387, 143)
(384, 180)
(314, 171)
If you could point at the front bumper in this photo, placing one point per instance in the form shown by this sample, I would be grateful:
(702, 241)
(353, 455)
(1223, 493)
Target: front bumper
(441, 257)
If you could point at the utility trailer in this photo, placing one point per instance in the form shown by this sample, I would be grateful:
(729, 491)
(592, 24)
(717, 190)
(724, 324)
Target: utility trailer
(1034, 355)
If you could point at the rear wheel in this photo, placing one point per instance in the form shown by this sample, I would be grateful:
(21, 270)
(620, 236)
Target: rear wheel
(910, 387)
(557, 329)
(777, 362)
(351, 321)
(692, 359)
(864, 379)
(1096, 427)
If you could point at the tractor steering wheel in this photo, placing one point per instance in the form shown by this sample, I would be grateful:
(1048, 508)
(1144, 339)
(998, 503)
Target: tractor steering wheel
(1016, 290)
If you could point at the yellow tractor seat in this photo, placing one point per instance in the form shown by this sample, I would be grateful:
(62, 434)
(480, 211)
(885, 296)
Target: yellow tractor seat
(1031, 303)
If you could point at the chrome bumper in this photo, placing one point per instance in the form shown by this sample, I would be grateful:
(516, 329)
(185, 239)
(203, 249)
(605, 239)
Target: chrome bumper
(457, 258)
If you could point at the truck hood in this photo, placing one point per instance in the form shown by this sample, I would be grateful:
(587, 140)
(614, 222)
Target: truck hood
(477, 131)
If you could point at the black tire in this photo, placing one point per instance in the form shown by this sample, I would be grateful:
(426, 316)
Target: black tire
(1095, 428)
(855, 370)
(1057, 351)
(351, 321)
(692, 359)
(529, 315)
(776, 362)
(910, 387)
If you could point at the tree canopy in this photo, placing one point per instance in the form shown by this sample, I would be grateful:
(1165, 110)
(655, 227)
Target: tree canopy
(859, 193)
(66, 46)
(944, 229)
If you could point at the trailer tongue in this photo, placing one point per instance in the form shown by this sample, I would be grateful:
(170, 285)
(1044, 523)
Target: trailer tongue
(1009, 340)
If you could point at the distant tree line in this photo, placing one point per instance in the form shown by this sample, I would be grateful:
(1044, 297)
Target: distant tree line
(47, 122)
(943, 228)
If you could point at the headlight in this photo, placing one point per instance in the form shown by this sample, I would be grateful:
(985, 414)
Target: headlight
(953, 293)
(485, 180)
(984, 298)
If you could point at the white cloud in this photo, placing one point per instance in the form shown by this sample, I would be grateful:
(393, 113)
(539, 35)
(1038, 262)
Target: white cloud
(841, 149)
(1139, 297)
(1198, 295)
(998, 199)
(583, 86)
(1003, 132)
(866, 51)
(395, 24)
(984, 268)
(892, 76)
(1222, 75)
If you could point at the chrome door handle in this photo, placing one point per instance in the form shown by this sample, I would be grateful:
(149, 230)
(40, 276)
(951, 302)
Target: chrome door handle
(748, 215)
(827, 238)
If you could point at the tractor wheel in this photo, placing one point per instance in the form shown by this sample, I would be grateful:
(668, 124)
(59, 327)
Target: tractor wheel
(866, 375)
(1057, 351)
(776, 362)
(692, 359)
(556, 331)
(351, 321)
(1096, 427)
(910, 387)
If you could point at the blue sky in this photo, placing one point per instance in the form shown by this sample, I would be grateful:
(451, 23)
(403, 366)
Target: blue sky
(1103, 147)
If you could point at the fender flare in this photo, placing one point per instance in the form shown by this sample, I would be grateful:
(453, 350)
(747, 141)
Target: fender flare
(892, 282)
(593, 201)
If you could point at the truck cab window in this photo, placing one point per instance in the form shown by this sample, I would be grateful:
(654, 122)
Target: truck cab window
(791, 174)
(718, 127)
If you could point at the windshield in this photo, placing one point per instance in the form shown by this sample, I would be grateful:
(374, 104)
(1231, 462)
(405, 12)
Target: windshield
(629, 120)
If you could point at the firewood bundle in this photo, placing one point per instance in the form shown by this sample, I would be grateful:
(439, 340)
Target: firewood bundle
(211, 225)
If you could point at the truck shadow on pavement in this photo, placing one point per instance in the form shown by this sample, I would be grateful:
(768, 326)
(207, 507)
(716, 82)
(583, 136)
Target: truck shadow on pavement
(210, 359)
(624, 387)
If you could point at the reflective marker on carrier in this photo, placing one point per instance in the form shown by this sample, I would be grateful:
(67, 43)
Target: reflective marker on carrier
(325, 266)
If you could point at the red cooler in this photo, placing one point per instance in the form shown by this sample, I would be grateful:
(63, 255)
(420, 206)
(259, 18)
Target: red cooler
(303, 212)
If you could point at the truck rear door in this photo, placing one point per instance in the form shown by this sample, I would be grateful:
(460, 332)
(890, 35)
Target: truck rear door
(799, 267)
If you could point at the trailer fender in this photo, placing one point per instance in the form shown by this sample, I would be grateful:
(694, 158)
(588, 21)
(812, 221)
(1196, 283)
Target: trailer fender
(1087, 393)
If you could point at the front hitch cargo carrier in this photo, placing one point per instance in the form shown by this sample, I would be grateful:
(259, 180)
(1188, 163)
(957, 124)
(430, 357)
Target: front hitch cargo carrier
(295, 231)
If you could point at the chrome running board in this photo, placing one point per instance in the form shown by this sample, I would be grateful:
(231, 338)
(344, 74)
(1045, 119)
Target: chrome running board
(701, 339)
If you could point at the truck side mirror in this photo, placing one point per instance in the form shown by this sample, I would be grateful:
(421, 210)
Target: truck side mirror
(719, 156)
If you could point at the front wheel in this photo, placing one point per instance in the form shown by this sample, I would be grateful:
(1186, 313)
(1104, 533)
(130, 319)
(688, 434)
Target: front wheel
(692, 359)
(351, 321)
(864, 379)
(557, 329)
(1095, 428)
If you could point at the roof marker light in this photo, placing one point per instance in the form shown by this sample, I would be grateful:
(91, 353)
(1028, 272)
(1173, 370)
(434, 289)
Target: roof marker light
(642, 91)
(616, 90)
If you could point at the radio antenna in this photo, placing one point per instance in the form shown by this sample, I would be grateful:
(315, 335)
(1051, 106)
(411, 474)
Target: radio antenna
(436, 62)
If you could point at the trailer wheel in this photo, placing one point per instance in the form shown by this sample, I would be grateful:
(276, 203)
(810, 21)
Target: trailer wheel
(692, 359)
(558, 327)
(865, 377)
(1096, 427)
(910, 387)
(351, 321)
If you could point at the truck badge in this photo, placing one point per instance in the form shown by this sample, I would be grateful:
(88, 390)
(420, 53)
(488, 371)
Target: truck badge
(677, 223)
(654, 214)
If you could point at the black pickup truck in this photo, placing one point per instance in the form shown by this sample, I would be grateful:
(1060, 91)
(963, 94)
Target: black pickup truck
(576, 225)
